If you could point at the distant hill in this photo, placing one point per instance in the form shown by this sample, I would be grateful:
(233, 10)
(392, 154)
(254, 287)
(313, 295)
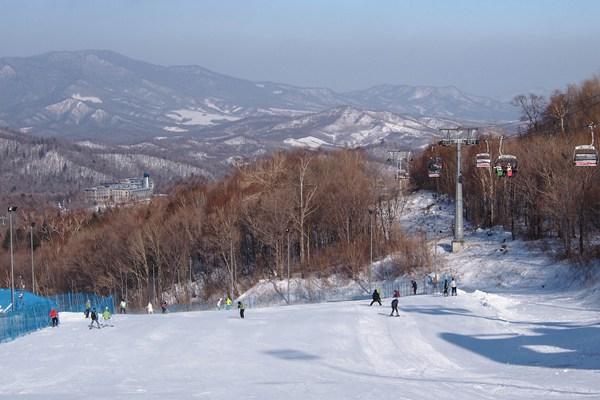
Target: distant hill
(106, 97)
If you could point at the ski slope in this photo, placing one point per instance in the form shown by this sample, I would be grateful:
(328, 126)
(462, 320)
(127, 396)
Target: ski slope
(524, 327)
(475, 347)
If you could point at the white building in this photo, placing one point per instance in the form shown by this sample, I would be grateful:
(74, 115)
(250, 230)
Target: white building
(124, 191)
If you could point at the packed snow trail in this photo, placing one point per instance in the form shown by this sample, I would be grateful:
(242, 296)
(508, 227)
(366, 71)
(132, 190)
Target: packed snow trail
(474, 346)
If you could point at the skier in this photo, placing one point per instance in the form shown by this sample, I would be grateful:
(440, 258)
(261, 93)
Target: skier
(123, 307)
(88, 307)
(149, 308)
(54, 317)
(413, 283)
(453, 286)
(219, 303)
(106, 315)
(445, 287)
(241, 307)
(228, 303)
(394, 307)
(376, 297)
(94, 317)
(499, 171)
(163, 306)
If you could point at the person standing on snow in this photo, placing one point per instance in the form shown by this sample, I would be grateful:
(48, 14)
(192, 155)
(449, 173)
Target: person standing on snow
(228, 303)
(123, 307)
(445, 287)
(219, 303)
(54, 317)
(94, 317)
(394, 307)
(413, 283)
(149, 308)
(88, 307)
(241, 307)
(396, 293)
(106, 315)
(376, 297)
(163, 306)
(453, 286)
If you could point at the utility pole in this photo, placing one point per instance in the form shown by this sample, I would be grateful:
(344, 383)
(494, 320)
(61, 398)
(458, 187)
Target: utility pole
(458, 136)
(32, 268)
(11, 210)
(288, 264)
(371, 210)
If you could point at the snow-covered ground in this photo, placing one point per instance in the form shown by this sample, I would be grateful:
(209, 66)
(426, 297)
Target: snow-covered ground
(524, 327)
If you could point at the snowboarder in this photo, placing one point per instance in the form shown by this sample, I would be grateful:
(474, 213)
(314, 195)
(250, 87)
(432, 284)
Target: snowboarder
(219, 303)
(88, 307)
(106, 315)
(149, 308)
(453, 286)
(413, 283)
(394, 307)
(376, 297)
(445, 287)
(54, 317)
(228, 303)
(94, 317)
(163, 306)
(241, 307)
(123, 307)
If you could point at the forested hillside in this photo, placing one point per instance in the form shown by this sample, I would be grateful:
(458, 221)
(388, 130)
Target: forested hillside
(226, 234)
(548, 196)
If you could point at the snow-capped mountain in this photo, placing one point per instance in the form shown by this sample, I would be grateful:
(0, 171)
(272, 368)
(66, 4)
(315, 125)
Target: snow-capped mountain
(446, 102)
(104, 96)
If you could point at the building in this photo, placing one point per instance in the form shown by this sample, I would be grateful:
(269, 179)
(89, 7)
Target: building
(123, 191)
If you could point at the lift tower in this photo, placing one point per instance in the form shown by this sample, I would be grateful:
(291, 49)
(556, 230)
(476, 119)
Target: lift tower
(458, 136)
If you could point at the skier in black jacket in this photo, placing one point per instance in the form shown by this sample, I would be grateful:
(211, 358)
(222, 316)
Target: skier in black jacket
(94, 317)
(395, 307)
(376, 297)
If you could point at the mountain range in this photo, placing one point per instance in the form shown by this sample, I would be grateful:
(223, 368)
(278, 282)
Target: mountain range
(105, 97)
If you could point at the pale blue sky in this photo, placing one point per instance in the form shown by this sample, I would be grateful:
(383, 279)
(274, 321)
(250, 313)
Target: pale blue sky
(495, 48)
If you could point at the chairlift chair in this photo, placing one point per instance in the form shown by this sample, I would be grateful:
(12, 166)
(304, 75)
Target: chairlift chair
(434, 167)
(483, 160)
(506, 164)
(586, 155)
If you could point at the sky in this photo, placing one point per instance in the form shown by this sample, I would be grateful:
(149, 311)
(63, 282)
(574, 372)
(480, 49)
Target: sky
(486, 47)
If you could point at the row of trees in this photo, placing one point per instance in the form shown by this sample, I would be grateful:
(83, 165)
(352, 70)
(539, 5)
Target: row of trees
(318, 207)
(548, 196)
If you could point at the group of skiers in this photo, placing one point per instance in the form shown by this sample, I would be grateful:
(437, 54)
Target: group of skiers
(228, 303)
(508, 171)
(376, 297)
(452, 286)
(90, 312)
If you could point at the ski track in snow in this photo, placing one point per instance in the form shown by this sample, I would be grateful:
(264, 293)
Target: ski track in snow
(523, 328)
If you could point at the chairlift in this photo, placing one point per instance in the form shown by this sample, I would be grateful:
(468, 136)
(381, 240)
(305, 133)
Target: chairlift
(586, 155)
(434, 167)
(483, 160)
(402, 160)
(506, 164)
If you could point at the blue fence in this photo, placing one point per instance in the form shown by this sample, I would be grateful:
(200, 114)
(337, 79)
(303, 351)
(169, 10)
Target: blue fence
(32, 312)
(75, 302)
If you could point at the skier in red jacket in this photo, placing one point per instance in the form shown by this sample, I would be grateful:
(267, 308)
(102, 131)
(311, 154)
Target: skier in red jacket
(54, 317)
